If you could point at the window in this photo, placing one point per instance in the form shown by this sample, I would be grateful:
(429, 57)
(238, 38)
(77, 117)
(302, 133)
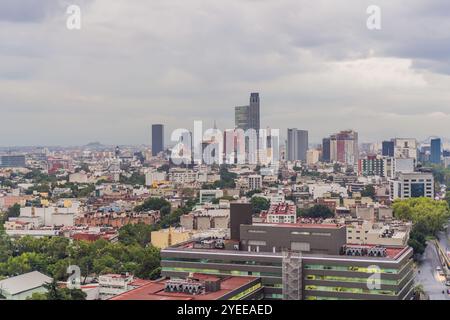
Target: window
(300, 246)
(321, 234)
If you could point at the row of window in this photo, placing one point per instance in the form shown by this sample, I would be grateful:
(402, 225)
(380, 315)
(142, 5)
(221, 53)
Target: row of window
(217, 272)
(349, 290)
(246, 262)
(347, 279)
(350, 268)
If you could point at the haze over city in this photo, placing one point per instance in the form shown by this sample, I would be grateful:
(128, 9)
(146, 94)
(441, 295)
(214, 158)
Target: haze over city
(316, 66)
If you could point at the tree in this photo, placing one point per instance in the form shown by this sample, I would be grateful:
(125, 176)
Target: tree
(155, 204)
(259, 204)
(318, 211)
(13, 211)
(369, 191)
(429, 213)
(135, 234)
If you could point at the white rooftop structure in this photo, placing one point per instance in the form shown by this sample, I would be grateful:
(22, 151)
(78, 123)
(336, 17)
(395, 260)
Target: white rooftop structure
(20, 287)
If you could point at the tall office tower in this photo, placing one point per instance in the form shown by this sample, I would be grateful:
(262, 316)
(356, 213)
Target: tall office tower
(13, 161)
(241, 117)
(253, 111)
(344, 147)
(436, 151)
(157, 139)
(297, 144)
(405, 148)
(326, 150)
(388, 148)
(246, 117)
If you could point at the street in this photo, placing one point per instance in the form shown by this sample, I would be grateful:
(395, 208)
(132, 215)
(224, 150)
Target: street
(433, 284)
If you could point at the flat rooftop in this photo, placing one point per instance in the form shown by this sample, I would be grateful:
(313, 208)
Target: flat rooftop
(302, 225)
(155, 290)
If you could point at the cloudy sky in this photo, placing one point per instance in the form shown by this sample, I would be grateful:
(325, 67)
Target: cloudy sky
(134, 63)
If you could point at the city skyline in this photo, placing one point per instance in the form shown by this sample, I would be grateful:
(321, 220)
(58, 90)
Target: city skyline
(317, 68)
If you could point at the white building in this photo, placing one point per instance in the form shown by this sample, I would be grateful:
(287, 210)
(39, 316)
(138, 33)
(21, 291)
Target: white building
(412, 185)
(181, 176)
(254, 182)
(154, 177)
(23, 286)
(113, 284)
(405, 148)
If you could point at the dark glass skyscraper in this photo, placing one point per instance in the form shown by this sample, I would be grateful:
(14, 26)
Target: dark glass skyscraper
(388, 148)
(246, 117)
(157, 139)
(326, 152)
(436, 151)
(297, 144)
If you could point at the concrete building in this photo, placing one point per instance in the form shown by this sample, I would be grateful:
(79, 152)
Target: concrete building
(412, 185)
(169, 237)
(197, 286)
(405, 148)
(111, 285)
(319, 267)
(281, 213)
(312, 156)
(254, 182)
(208, 196)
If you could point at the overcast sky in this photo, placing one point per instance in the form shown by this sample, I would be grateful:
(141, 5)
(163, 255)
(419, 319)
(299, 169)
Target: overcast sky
(138, 62)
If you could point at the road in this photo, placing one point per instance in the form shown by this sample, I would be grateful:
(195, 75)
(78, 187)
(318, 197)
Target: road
(432, 283)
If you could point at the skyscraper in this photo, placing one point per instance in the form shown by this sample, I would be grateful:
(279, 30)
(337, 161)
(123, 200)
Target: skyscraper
(436, 151)
(344, 147)
(248, 117)
(388, 148)
(326, 150)
(297, 144)
(157, 139)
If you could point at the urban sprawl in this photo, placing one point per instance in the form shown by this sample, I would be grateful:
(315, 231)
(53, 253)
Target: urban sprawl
(236, 214)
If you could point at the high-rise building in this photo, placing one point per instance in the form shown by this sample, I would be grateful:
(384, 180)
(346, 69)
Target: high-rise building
(388, 149)
(297, 144)
(436, 151)
(12, 161)
(344, 147)
(248, 117)
(405, 148)
(157, 139)
(326, 150)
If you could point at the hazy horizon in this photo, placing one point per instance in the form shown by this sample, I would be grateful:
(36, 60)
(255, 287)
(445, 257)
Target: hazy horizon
(316, 66)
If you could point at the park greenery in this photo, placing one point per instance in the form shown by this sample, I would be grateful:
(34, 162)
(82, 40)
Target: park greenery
(52, 256)
(427, 215)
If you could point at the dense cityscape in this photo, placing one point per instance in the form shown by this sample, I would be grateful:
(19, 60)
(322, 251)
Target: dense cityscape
(254, 217)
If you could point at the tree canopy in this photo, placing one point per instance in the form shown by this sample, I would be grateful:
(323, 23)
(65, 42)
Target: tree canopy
(430, 214)
(317, 211)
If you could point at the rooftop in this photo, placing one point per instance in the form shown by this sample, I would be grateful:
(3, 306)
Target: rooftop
(24, 282)
(155, 290)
